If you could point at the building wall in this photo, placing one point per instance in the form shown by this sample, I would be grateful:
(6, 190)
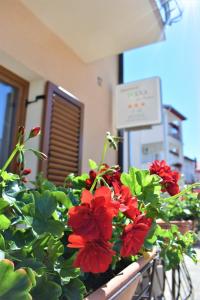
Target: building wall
(189, 170)
(32, 47)
(174, 143)
(138, 140)
(154, 143)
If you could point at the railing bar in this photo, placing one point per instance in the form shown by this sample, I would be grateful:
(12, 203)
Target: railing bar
(158, 279)
(152, 275)
(119, 291)
(138, 297)
(186, 278)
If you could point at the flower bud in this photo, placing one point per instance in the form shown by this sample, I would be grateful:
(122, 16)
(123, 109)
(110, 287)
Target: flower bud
(26, 172)
(43, 156)
(24, 179)
(21, 130)
(34, 132)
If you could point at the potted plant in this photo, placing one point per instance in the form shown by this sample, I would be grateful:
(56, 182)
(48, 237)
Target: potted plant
(67, 242)
(183, 212)
(182, 208)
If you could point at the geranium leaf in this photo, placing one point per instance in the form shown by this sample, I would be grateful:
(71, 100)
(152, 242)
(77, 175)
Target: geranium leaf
(92, 164)
(4, 222)
(45, 204)
(52, 226)
(2, 242)
(12, 282)
(75, 290)
(46, 290)
(62, 198)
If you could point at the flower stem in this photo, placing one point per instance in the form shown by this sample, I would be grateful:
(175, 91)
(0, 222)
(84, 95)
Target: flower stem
(105, 148)
(183, 191)
(94, 183)
(9, 160)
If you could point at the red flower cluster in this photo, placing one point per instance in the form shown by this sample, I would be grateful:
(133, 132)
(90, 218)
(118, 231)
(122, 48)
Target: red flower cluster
(134, 235)
(92, 226)
(169, 178)
(94, 256)
(128, 203)
(110, 177)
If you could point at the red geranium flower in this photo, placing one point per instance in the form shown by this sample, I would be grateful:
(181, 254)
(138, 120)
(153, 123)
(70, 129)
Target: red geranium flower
(172, 188)
(169, 178)
(128, 203)
(134, 235)
(110, 177)
(94, 256)
(93, 218)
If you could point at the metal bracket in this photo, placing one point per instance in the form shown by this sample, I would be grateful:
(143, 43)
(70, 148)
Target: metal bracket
(37, 98)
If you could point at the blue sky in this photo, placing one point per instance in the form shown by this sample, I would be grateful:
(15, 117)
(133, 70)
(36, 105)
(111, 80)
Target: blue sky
(177, 62)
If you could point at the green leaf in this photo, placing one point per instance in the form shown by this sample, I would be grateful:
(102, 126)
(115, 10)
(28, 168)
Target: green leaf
(32, 263)
(126, 180)
(68, 271)
(62, 198)
(3, 204)
(45, 204)
(52, 226)
(9, 176)
(4, 222)
(75, 290)
(92, 164)
(13, 283)
(2, 242)
(46, 290)
(136, 176)
(55, 249)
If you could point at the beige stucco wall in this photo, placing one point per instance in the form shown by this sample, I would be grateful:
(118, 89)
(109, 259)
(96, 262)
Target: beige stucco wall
(34, 48)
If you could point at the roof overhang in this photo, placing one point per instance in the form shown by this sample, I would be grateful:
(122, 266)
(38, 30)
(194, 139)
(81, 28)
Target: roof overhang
(175, 112)
(95, 29)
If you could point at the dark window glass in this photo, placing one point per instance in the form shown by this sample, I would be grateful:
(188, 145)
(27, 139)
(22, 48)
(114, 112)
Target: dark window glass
(8, 95)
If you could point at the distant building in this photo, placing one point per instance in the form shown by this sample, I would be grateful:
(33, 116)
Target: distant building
(189, 170)
(163, 141)
(197, 173)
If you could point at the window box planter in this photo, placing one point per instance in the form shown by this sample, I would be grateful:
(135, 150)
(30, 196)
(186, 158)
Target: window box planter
(125, 283)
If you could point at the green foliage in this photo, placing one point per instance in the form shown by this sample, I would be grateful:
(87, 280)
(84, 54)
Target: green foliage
(15, 284)
(32, 228)
(186, 207)
(74, 290)
(46, 289)
(146, 188)
(173, 245)
(34, 231)
(4, 222)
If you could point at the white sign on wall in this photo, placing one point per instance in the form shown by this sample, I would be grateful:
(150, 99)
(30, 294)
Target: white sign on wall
(138, 104)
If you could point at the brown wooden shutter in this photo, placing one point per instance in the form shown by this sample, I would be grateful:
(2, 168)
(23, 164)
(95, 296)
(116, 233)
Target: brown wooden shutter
(62, 135)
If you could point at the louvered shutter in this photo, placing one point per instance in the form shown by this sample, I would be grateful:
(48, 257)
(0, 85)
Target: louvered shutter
(62, 135)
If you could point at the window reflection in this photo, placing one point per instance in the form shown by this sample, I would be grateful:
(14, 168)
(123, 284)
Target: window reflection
(7, 112)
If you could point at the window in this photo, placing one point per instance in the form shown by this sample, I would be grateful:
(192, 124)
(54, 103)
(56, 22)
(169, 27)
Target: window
(13, 95)
(62, 138)
(174, 130)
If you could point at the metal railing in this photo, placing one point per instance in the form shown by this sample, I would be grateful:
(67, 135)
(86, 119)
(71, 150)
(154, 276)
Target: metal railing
(157, 284)
(171, 11)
